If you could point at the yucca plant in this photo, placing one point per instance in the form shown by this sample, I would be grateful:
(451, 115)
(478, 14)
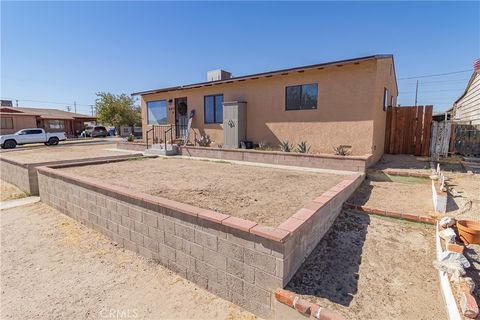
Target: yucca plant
(262, 145)
(303, 147)
(342, 150)
(285, 146)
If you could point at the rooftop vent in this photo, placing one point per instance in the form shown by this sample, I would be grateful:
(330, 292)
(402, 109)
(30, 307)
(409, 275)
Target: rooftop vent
(6, 103)
(219, 74)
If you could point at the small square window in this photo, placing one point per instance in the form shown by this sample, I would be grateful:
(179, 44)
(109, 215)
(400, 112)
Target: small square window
(301, 97)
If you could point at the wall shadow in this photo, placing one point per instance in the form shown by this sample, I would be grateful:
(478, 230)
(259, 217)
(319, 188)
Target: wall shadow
(331, 270)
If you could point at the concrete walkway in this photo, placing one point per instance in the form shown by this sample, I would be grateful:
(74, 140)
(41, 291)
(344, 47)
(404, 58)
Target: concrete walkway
(18, 202)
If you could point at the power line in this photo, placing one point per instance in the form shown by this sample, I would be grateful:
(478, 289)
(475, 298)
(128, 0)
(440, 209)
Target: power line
(441, 81)
(435, 75)
(51, 102)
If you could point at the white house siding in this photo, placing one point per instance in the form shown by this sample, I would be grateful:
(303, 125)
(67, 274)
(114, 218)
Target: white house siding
(468, 107)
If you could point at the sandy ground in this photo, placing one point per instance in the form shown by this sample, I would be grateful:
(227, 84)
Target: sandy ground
(9, 191)
(410, 163)
(64, 152)
(265, 195)
(373, 268)
(54, 268)
(413, 195)
(464, 199)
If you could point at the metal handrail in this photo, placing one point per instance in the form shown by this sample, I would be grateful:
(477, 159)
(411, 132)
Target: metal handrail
(165, 136)
(148, 131)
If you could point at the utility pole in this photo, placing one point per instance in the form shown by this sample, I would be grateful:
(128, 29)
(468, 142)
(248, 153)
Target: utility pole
(69, 108)
(75, 106)
(91, 106)
(16, 102)
(416, 94)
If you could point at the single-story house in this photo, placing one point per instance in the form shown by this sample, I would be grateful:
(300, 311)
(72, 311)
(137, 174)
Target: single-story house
(467, 107)
(52, 120)
(326, 105)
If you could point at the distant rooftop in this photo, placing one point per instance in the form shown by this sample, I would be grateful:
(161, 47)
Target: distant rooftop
(45, 113)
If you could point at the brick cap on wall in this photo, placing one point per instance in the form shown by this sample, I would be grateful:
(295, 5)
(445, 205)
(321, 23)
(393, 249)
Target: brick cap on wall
(280, 234)
(304, 307)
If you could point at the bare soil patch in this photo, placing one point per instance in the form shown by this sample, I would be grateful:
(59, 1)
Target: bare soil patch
(368, 267)
(55, 268)
(9, 191)
(265, 195)
(64, 152)
(410, 163)
(413, 196)
(464, 198)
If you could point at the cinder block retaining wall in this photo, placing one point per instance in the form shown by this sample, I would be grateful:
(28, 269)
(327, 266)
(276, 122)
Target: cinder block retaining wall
(348, 163)
(235, 259)
(24, 175)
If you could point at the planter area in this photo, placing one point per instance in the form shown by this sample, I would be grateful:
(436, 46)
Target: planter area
(134, 146)
(333, 162)
(240, 260)
(20, 167)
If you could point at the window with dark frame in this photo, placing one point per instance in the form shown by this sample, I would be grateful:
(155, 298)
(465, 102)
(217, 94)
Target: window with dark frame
(213, 108)
(6, 123)
(56, 124)
(301, 97)
(385, 99)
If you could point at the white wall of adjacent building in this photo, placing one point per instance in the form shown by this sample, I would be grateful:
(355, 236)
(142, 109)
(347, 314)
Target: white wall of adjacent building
(467, 108)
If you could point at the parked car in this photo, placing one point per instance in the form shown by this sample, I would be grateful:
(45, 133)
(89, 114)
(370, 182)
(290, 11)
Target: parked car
(112, 132)
(95, 131)
(28, 136)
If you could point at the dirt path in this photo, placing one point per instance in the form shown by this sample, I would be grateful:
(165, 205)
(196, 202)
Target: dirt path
(54, 268)
(405, 197)
(265, 195)
(373, 268)
(9, 192)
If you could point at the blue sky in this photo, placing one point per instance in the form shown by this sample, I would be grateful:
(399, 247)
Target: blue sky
(66, 51)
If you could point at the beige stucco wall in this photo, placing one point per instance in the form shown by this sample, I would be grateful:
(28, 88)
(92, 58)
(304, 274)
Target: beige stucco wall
(19, 122)
(348, 99)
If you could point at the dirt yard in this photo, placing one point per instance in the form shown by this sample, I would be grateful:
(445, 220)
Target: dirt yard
(373, 268)
(9, 192)
(265, 195)
(54, 268)
(64, 152)
(464, 199)
(405, 195)
(410, 163)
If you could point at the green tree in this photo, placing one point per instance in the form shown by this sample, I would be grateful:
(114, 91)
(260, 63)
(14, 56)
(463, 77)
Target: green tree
(117, 110)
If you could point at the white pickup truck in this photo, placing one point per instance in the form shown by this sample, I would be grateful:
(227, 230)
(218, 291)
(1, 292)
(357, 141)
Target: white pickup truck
(33, 135)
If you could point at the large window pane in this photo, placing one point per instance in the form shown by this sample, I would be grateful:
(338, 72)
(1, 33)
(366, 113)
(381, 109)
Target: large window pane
(219, 109)
(209, 109)
(157, 112)
(309, 96)
(293, 95)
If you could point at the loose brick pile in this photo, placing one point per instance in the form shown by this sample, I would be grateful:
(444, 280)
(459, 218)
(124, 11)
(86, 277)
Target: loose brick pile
(304, 307)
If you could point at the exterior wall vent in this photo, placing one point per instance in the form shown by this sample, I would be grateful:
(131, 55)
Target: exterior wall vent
(219, 74)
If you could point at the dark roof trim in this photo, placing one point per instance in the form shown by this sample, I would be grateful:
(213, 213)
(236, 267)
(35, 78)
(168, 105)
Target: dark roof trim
(256, 75)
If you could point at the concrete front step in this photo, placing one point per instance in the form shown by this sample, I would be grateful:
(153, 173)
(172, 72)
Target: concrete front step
(159, 149)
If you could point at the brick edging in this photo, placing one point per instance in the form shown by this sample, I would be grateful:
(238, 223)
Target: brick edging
(304, 307)
(390, 214)
(280, 234)
(401, 173)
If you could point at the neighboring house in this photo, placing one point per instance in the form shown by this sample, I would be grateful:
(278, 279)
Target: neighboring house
(52, 120)
(326, 105)
(126, 131)
(467, 108)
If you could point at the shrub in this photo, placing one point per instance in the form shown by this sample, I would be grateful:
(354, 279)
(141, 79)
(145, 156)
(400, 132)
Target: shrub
(131, 138)
(285, 146)
(262, 145)
(342, 150)
(204, 141)
(303, 147)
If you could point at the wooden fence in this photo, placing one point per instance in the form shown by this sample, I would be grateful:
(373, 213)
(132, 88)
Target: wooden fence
(408, 130)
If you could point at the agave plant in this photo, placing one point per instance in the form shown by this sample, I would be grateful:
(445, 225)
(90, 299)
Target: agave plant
(303, 147)
(204, 141)
(342, 150)
(285, 146)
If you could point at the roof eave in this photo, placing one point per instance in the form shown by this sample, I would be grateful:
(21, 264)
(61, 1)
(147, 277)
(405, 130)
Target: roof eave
(313, 66)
